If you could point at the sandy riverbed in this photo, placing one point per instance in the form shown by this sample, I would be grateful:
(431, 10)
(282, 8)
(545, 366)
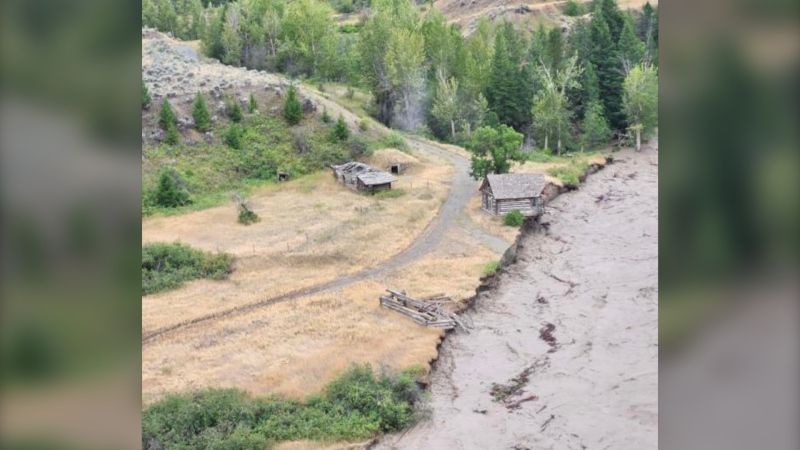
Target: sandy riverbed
(594, 276)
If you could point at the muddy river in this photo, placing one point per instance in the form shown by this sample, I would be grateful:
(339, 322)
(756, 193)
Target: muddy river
(564, 350)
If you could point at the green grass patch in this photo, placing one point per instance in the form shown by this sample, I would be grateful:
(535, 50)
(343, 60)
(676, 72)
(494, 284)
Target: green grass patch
(167, 266)
(391, 193)
(570, 172)
(359, 404)
(490, 268)
(262, 146)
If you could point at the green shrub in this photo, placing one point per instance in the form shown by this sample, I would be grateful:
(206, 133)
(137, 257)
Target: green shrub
(292, 109)
(146, 99)
(395, 140)
(363, 125)
(170, 193)
(340, 130)
(202, 119)
(358, 404)
(326, 118)
(573, 8)
(514, 218)
(167, 266)
(232, 137)
(491, 268)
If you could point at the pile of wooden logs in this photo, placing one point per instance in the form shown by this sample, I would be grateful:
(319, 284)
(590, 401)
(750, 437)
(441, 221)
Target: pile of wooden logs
(427, 311)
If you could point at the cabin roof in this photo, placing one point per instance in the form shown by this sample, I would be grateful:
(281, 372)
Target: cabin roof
(373, 178)
(515, 185)
(353, 167)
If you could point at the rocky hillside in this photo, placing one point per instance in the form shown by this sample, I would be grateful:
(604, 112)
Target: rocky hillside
(525, 13)
(176, 70)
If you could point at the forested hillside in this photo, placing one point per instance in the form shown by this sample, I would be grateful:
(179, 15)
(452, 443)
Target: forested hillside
(564, 89)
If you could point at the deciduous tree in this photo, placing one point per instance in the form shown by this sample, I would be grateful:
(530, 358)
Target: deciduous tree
(494, 150)
(641, 101)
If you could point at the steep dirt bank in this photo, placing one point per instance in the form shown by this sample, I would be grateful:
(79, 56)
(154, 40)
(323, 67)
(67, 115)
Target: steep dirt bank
(572, 327)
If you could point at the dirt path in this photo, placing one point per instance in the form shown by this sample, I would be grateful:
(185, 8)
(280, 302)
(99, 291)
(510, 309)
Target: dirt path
(577, 314)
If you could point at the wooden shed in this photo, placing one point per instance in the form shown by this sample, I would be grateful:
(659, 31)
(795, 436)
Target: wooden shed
(362, 177)
(374, 181)
(502, 193)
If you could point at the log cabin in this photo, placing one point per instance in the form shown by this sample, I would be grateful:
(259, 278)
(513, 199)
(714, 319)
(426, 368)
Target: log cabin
(502, 193)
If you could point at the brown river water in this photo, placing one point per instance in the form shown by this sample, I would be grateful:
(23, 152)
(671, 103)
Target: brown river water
(575, 320)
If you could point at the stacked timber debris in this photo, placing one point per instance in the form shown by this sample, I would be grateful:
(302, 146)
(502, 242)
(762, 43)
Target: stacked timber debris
(427, 311)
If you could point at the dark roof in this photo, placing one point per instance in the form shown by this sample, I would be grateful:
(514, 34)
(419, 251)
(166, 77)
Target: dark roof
(516, 185)
(373, 178)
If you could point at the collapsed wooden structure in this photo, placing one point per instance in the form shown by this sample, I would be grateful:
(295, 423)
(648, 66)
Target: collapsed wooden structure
(362, 177)
(427, 311)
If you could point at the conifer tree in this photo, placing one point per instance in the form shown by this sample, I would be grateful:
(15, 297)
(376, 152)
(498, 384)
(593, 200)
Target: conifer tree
(253, 106)
(509, 91)
(173, 137)
(340, 131)
(236, 112)
(631, 49)
(202, 119)
(166, 117)
(168, 193)
(606, 64)
(292, 109)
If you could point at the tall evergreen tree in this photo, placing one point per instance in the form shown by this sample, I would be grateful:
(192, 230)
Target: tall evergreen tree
(612, 15)
(604, 57)
(510, 90)
(631, 49)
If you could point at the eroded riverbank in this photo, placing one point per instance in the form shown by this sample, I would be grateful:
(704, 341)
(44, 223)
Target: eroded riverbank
(577, 316)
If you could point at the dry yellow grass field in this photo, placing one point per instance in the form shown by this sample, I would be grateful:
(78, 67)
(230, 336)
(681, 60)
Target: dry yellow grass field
(312, 230)
(295, 348)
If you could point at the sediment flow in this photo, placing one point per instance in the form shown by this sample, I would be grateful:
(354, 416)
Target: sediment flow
(564, 353)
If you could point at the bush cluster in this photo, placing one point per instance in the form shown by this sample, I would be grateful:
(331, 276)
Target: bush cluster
(246, 215)
(167, 266)
(359, 404)
(395, 140)
(514, 218)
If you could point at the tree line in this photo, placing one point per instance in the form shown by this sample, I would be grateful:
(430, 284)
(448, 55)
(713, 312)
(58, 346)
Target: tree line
(561, 91)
